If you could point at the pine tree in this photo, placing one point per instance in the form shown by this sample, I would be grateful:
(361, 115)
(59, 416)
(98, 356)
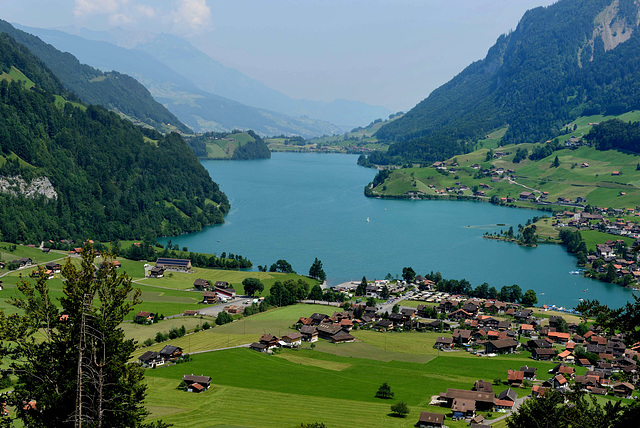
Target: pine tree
(79, 373)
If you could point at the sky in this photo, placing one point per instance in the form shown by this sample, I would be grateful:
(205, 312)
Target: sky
(391, 53)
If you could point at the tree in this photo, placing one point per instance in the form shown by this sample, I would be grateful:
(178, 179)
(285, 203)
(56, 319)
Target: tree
(556, 162)
(371, 301)
(530, 298)
(316, 292)
(361, 290)
(316, 271)
(223, 318)
(78, 368)
(561, 326)
(385, 292)
(283, 266)
(400, 408)
(252, 286)
(384, 391)
(395, 309)
(408, 274)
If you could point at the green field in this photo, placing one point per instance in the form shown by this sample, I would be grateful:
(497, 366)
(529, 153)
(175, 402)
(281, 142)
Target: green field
(324, 381)
(184, 281)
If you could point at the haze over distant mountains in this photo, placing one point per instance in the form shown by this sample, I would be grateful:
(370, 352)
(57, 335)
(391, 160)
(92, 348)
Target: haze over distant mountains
(205, 94)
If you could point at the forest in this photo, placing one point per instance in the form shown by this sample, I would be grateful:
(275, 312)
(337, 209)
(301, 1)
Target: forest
(113, 180)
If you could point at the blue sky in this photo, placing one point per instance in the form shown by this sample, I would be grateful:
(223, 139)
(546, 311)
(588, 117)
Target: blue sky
(382, 52)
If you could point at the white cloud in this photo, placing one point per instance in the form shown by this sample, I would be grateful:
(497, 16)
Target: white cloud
(193, 14)
(94, 7)
(146, 10)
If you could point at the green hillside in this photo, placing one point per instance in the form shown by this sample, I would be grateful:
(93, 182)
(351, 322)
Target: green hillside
(583, 172)
(78, 172)
(570, 59)
(115, 91)
(235, 145)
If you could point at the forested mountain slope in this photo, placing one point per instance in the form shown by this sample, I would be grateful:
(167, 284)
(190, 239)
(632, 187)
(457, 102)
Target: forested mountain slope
(70, 171)
(113, 90)
(575, 57)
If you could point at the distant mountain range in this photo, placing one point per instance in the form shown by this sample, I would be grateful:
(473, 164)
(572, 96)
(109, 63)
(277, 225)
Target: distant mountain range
(573, 58)
(207, 95)
(112, 90)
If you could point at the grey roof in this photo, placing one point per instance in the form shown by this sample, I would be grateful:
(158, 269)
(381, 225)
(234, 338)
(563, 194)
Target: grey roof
(509, 394)
(169, 349)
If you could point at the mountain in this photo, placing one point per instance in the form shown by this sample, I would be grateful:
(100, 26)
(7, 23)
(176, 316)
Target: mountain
(201, 110)
(572, 58)
(211, 76)
(112, 90)
(68, 170)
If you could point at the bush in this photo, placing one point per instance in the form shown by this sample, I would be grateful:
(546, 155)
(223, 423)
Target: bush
(148, 342)
(400, 408)
(161, 337)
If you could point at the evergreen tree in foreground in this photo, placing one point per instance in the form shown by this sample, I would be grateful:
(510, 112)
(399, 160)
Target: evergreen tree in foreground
(72, 361)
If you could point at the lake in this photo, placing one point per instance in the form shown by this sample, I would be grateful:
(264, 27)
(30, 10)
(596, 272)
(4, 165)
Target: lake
(301, 206)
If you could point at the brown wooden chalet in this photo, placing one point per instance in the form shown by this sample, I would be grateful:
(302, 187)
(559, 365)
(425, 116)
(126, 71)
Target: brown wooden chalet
(483, 386)
(201, 284)
(501, 346)
(484, 400)
(460, 314)
(309, 333)
(444, 342)
(463, 408)
(209, 297)
(196, 383)
(543, 354)
(318, 318)
(143, 316)
(171, 353)
(431, 420)
(270, 340)
(151, 359)
(461, 336)
(623, 389)
(341, 337)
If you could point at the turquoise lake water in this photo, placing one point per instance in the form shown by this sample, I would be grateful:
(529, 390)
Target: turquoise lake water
(301, 206)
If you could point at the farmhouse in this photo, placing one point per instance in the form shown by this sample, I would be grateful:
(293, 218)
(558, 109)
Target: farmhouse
(200, 284)
(291, 340)
(309, 333)
(180, 265)
(196, 383)
(209, 297)
(484, 400)
(501, 346)
(170, 352)
(156, 272)
(151, 359)
(444, 343)
(143, 316)
(430, 420)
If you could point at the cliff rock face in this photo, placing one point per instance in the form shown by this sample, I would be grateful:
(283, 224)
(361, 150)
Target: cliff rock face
(18, 186)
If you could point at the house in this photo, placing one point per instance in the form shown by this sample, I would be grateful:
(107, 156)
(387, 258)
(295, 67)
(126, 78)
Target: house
(506, 399)
(200, 284)
(463, 408)
(196, 383)
(156, 272)
(190, 313)
(269, 340)
(180, 265)
(292, 340)
(209, 297)
(501, 346)
(431, 420)
(482, 386)
(527, 195)
(444, 343)
(529, 372)
(260, 347)
(543, 354)
(151, 359)
(623, 389)
(559, 382)
(143, 317)
(53, 266)
(460, 314)
(538, 391)
(318, 318)
(484, 400)
(22, 262)
(567, 356)
(515, 378)
(461, 336)
(309, 333)
(341, 337)
(384, 325)
(221, 284)
(170, 352)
